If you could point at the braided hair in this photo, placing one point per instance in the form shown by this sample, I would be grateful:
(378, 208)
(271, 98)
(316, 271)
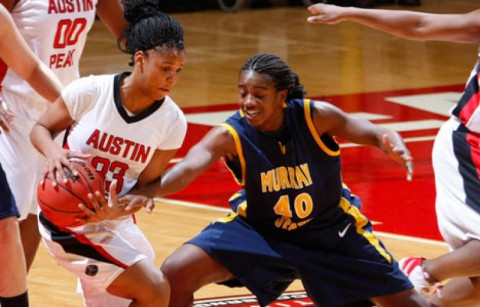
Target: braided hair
(282, 76)
(148, 28)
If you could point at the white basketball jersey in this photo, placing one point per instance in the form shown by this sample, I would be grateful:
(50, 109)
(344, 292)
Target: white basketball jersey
(121, 144)
(56, 31)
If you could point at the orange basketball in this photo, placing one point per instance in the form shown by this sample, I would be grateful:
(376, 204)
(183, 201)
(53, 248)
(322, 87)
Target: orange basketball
(59, 203)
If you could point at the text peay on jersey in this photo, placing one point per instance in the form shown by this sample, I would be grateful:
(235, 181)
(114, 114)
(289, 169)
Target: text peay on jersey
(290, 177)
(56, 31)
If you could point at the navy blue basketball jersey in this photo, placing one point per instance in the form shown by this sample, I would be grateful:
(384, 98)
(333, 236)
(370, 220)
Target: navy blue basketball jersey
(290, 177)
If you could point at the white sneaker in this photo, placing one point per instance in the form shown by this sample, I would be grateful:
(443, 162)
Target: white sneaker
(421, 279)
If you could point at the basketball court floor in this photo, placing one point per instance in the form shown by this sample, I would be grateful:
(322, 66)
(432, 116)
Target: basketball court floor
(405, 85)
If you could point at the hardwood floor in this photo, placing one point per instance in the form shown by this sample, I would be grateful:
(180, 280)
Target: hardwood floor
(330, 60)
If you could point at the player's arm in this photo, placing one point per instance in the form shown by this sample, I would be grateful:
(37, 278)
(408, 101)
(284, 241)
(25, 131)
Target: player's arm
(53, 121)
(111, 14)
(461, 28)
(156, 167)
(15, 52)
(132, 202)
(217, 143)
(335, 122)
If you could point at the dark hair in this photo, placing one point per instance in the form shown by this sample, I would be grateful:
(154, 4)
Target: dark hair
(282, 76)
(148, 28)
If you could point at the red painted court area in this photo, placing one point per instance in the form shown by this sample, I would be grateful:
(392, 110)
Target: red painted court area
(393, 203)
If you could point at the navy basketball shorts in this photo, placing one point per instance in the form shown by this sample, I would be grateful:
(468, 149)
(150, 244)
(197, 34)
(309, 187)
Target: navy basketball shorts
(8, 208)
(339, 264)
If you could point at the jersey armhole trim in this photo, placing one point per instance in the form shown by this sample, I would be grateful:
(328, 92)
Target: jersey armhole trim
(313, 131)
(238, 146)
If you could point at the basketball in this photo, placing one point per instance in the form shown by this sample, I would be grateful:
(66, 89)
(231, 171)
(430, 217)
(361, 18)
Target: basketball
(59, 203)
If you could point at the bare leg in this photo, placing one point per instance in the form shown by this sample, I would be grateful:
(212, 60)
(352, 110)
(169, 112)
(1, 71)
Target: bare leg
(13, 270)
(188, 269)
(459, 292)
(30, 238)
(462, 262)
(405, 298)
(461, 268)
(143, 283)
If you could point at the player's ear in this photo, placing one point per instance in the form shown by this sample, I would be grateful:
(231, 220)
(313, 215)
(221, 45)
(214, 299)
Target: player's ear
(283, 94)
(139, 58)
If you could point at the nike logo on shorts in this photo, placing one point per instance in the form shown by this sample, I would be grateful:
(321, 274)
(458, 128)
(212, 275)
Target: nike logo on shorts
(341, 233)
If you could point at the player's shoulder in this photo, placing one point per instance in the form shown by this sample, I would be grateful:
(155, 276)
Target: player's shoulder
(106, 78)
(89, 89)
(171, 106)
(92, 81)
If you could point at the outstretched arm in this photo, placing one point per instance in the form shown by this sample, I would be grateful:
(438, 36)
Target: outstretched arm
(460, 28)
(215, 144)
(335, 122)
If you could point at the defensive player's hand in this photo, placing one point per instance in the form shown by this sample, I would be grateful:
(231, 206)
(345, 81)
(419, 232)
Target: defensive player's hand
(136, 202)
(6, 118)
(325, 13)
(395, 147)
(100, 209)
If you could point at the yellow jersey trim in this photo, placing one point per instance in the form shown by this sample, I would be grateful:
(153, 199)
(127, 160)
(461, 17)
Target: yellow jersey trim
(242, 208)
(360, 222)
(231, 216)
(314, 132)
(238, 146)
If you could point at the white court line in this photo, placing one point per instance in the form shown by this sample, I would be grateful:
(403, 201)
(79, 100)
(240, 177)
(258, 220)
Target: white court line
(190, 204)
(219, 209)
(348, 145)
(411, 239)
(407, 140)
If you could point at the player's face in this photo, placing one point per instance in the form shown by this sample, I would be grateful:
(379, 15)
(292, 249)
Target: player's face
(260, 101)
(160, 71)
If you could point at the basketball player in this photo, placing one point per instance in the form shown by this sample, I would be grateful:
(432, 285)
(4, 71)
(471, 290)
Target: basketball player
(18, 56)
(455, 154)
(294, 217)
(130, 128)
(56, 32)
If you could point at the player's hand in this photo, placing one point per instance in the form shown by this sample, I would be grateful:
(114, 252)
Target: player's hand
(136, 202)
(325, 13)
(395, 147)
(101, 209)
(59, 167)
(6, 118)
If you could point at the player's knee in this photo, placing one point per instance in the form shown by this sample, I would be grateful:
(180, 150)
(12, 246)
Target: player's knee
(172, 269)
(466, 292)
(9, 233)
(154, 292)
(188, 269)
(182, 281)
(160, 286)
(401, 299)
(182, 288)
